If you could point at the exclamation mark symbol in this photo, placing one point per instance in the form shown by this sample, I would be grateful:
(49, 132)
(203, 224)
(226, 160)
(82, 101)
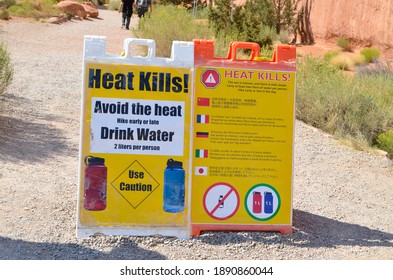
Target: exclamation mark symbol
(186, 83)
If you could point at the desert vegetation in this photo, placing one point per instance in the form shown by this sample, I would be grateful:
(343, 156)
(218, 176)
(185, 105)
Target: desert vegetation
(6, 68)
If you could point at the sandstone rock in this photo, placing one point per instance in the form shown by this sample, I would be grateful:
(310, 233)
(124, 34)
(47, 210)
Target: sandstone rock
(91, 9)
(364, 22)
(72, 7)
(57, 20)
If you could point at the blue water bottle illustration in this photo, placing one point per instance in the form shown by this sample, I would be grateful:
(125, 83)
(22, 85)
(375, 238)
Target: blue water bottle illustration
(174, 178)
(268, 205)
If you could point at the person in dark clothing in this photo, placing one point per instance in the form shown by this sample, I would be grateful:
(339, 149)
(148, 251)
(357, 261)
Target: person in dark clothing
(143, 7)
(126, 9)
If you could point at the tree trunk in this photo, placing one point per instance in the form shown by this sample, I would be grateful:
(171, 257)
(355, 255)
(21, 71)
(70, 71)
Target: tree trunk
(305, 30)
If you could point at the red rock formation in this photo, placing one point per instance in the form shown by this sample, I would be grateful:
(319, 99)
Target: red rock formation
(91, 9)
(364, 22)
(72, 7)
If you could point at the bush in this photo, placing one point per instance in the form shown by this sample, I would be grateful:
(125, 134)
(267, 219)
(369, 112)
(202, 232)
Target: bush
(114, 5)
(222, 41)
(352, 107)
(6, 68)
(346, 61)
(330, 54)
(344, 44)
(4, 15)
(36, 9)
(7, 3)
(170, 23)
(370, 54)
(379, 68)
(342, 62)
(385, 142)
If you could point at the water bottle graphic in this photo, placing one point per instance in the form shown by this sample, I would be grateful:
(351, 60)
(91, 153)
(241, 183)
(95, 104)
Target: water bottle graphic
(174, 178)
(256, 202)
(95, 184)
(268, 205)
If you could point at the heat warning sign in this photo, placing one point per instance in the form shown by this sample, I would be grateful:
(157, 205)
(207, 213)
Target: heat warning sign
(137, 126)
(136, 144)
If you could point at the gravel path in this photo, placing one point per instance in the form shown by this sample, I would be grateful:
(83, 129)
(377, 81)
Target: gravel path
(342, 198)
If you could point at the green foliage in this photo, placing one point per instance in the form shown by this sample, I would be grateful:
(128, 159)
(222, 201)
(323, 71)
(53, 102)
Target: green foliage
(344, 44)
(266, 53)
(7, 3)
(188, 4)
(350, 107)
(170, 23)
(385, 142)
(370, 54)
(283, 37)
(6, 68)
(284, 14)
(256, 21)
(219, 17)
(222, 41)
(342, 62)
(34, 9)
(114, 5)
(4, 15)
(330, 54)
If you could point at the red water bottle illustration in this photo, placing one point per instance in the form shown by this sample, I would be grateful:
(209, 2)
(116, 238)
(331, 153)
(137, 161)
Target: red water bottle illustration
(95, 184)
(256, 202)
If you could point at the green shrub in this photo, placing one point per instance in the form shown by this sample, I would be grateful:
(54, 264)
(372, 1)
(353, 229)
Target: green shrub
(344, 44)
(6, 68)
(342, 62)
(370, 54)
(355, 107)
(358, 59)
(385, 142)
(222, 41)
(170, 23)
(283, 37)
(4, 15)
(330, 54)
(114, 5)
(7, 3)
(34, 9)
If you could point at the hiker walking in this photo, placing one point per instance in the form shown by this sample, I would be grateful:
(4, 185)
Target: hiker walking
(126, 9)
(143, 7)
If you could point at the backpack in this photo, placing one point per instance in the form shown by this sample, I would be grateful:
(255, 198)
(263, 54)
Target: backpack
(142, 3)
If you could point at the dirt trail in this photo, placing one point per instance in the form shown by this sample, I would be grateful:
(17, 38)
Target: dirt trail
(342, 198)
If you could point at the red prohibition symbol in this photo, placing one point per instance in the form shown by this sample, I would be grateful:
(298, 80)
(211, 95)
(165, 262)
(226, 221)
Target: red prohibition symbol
(221, 201)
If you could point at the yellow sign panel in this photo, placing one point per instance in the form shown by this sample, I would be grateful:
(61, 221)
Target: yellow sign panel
(135, 147)
(243, 142)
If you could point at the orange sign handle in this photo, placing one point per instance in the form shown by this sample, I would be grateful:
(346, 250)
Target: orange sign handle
(284, 56)
(234, 46)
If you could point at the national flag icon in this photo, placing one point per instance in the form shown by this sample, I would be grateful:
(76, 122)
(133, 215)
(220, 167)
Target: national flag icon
(199, 153)
(201, 170)
(202, 134)
(203, 119)
(203, 101)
